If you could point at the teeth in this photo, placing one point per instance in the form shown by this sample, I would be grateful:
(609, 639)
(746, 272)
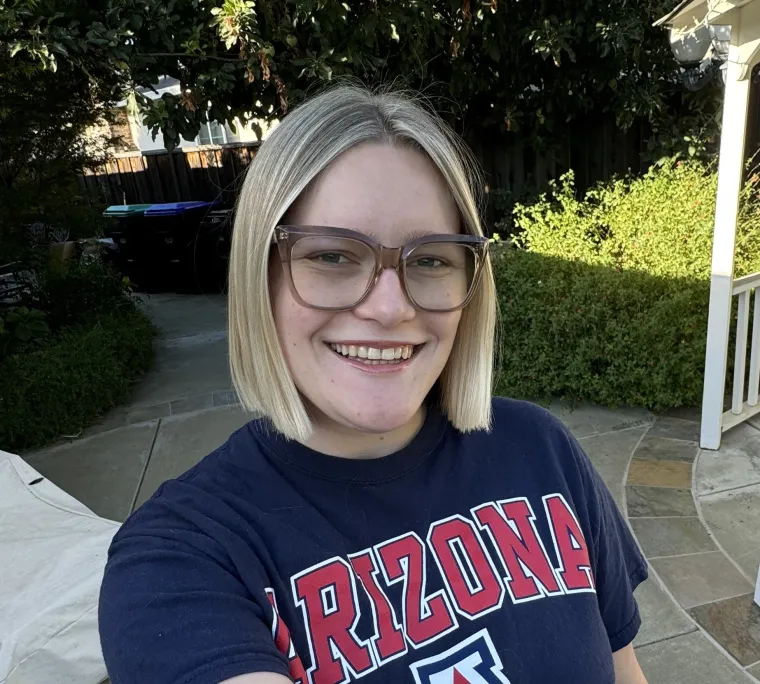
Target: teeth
(373, 355)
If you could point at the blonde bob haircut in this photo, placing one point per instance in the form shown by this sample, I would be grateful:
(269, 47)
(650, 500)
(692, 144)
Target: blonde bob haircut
(301, 147)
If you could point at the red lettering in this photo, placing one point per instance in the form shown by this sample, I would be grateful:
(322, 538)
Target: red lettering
(388, 641)
(529, 572)
(327, 596)
(425, 618)
(284, 642)
(570, 545)
(467, 570)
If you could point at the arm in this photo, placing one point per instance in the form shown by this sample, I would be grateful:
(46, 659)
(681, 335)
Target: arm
(258, 678)
(627, 669)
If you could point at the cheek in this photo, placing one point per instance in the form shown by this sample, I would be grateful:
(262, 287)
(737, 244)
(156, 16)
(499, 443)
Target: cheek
(445, 328)
(295, 324)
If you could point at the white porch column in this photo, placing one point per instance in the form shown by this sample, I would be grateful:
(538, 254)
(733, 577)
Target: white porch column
(730, 172)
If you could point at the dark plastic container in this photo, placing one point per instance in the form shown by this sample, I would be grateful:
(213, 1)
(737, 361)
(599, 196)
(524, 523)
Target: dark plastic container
(172, 230)
(126, 227)
(211, 252)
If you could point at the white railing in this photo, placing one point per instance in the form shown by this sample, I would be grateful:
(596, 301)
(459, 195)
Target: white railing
(743, 289)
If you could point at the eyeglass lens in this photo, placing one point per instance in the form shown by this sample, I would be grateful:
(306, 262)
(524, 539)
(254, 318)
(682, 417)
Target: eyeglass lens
(335, 272)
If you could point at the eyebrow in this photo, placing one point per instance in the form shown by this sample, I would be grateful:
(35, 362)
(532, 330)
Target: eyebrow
(409, 235)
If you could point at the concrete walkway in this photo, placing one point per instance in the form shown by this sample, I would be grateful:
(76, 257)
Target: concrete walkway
(695, 514)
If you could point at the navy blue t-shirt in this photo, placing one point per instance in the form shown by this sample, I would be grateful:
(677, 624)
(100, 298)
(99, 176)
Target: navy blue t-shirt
(477, 558)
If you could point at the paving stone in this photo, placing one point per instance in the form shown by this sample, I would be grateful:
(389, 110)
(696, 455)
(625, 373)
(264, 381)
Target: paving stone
(185, 371)
(676, 474)
(700, 578)
(688, 659)
(654, 502)
(610, 454)
(225, 398)
(675, 428)
(671, 536)
(754, 671)
(140, 414)
(177, 315)
(196, 403)
(665, 449)
(184, 440)
(585, 420)
(661, 617)
(734, 519)
(102, 471)
(735, 624)
(691, 413)
(735, 464)
(115, 418)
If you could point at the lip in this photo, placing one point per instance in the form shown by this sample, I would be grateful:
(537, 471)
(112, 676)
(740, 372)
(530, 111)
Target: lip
(377, 344)
(376, 369)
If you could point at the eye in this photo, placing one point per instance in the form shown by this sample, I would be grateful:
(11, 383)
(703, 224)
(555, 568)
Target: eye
(429, 262)
(331, 258)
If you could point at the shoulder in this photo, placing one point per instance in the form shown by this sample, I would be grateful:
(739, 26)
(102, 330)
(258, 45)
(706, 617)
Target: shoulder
(527, 424)
(527, 443)
(201, 494)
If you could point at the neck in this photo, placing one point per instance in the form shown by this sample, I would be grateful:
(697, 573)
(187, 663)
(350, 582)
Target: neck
(334, 439)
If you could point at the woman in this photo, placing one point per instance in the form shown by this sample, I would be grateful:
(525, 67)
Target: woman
(385, 520)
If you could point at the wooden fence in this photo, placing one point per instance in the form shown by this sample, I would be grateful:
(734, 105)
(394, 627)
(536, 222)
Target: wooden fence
(207, 173)
(594, 148)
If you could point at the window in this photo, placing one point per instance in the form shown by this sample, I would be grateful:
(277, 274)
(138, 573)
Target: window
(212, 133)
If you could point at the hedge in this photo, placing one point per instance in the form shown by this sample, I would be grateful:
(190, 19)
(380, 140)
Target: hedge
(61, 388)
(605, 298)
(597, 334)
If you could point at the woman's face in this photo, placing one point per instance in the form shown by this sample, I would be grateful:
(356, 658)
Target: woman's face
(391, 195)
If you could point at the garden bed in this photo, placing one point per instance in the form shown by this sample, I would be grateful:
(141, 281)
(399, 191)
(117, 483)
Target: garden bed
(96, 344)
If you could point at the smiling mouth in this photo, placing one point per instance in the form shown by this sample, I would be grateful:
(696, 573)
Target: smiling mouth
(373, 356)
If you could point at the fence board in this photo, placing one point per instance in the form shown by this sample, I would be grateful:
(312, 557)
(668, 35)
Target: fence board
(593, 147)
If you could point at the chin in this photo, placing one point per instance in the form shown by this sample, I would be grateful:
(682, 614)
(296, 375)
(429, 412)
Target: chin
(378, 419)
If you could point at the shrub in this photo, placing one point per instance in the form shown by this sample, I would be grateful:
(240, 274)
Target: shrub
(594, 333)
(660, 223)
(606, 297)
(78, 292)
(61, 388)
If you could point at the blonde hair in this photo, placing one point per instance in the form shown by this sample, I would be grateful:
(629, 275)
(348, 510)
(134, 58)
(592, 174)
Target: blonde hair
(295, 153)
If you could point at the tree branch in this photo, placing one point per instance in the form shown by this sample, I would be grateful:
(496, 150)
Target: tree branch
(185, 54)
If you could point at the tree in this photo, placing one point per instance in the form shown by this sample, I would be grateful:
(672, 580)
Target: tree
(55, 87)
(495, 66)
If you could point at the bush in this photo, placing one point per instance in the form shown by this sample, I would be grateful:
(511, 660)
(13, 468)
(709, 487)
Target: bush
(594, 333)
(606, 298)
(78, 292)
(660, 223)
(61, 388)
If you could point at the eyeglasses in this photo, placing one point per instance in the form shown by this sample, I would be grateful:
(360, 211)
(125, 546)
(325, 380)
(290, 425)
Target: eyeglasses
(335, 269)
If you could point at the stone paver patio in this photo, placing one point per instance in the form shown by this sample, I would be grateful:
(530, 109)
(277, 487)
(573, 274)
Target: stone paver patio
(695, 514)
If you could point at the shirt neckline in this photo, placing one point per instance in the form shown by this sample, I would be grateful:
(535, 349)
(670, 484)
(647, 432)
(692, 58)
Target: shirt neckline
(358, 471)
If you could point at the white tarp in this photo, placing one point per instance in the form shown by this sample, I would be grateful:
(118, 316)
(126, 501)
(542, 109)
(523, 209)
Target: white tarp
(52, 554)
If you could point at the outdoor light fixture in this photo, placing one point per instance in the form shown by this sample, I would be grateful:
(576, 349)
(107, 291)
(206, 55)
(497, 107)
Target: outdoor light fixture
(702, 54)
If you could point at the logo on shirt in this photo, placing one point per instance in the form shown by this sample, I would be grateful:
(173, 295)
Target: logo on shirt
(473, 661)
(493, 556)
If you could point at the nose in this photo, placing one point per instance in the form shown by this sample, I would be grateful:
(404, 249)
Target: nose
(387, 303)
